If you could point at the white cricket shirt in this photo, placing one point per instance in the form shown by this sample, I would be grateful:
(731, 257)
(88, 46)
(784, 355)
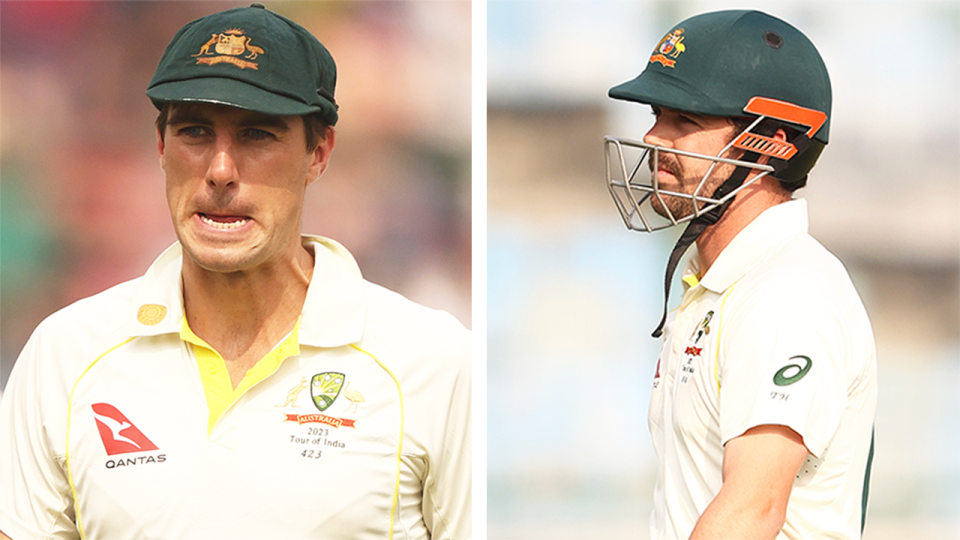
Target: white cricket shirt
(774, 333)
(357, 426)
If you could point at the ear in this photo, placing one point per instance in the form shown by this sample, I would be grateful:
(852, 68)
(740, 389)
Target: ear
(161, 146)
(321, 155)
(779, 136)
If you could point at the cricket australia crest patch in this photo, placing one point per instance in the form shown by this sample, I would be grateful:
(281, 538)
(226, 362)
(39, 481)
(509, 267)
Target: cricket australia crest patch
(669, 49)
(232, 47)
(324, 389)
(703, 328)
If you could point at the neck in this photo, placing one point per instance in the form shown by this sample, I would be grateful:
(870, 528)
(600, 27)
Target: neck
(243, 315)
(749, 203)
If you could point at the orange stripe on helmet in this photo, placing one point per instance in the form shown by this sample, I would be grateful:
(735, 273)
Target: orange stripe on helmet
(781, 110)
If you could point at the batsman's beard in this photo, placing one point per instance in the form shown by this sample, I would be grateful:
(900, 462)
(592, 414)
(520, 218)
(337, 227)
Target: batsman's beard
(681, 207)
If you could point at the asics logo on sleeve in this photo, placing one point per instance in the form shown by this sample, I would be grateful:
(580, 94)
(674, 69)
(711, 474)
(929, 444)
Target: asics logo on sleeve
(118, 434)
(781, 378)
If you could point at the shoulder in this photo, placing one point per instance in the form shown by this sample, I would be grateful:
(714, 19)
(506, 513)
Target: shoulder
(101, 313)
(82, 327)
(798, 287)
(404, 335)
(67, 342)
(800, 269)
(109, 311)
(393, 316)
(415, 335)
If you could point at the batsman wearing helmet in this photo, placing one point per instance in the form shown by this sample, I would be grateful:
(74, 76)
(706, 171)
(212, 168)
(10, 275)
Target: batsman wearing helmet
(764, 394)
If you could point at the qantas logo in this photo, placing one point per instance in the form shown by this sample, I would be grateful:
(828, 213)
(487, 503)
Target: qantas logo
(118, 434)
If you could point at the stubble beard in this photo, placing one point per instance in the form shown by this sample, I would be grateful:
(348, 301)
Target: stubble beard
(682, 207)
(679, 207)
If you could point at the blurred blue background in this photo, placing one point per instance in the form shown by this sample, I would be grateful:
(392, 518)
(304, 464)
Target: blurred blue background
(82, 204)
(573, 295)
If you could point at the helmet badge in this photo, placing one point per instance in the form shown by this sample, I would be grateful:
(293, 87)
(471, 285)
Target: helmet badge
(671, 46)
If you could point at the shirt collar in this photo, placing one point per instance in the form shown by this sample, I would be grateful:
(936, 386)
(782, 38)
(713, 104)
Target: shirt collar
(157, 306)
(771, 227)
(333, 314)
(335, 311)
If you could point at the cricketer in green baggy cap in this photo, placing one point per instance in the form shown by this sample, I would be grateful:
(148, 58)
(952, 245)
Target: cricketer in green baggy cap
(250, 58)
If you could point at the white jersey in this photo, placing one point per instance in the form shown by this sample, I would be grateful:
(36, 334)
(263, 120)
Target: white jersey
(358, 429)
(774, 333)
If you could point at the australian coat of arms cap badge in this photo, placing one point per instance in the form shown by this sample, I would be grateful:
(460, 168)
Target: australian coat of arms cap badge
(669, 48)
(232, 47)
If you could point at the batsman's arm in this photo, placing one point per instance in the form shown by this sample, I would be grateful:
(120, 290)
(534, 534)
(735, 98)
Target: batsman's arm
(759, 468)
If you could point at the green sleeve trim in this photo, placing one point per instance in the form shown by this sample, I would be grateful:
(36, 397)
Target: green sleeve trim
(866, 486)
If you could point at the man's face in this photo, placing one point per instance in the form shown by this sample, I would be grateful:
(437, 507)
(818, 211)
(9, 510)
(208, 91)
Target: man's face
(688, 132)
(236, 182)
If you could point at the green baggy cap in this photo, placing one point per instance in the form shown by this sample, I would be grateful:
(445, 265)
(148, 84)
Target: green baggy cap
(714, 63)
(249, 58)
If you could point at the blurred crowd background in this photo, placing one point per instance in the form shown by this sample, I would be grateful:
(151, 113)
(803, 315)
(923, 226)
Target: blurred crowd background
(573, 296)
(82, 204)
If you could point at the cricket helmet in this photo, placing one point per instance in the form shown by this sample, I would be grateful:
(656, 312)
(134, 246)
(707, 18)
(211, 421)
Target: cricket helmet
(743, 64)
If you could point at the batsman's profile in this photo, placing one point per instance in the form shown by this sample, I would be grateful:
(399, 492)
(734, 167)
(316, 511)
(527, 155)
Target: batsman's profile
(251, 384)
(764, 393)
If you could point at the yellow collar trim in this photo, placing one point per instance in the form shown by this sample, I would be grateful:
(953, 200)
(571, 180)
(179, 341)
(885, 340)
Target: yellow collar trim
(215, 378)
(692, 280)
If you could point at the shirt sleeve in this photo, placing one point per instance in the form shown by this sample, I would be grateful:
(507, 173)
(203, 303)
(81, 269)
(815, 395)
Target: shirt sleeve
(782, 363)
(35, 497)
(448, 483)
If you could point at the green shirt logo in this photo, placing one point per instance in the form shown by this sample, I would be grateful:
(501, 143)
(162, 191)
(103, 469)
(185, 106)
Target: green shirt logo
(781, 379)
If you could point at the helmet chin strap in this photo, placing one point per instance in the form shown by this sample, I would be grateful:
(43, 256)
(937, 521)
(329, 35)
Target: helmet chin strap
(698, 225)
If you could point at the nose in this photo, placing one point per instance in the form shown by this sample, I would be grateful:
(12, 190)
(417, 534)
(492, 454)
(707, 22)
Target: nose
(222, 171)
(656, 135)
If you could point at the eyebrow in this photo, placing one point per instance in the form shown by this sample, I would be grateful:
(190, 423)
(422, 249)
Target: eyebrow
(692, 115)
(190, 115)
(264, 120)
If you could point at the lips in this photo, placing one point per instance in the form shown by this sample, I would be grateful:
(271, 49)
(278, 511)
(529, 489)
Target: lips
(223, 222)
(666, 167)
(663, 175)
